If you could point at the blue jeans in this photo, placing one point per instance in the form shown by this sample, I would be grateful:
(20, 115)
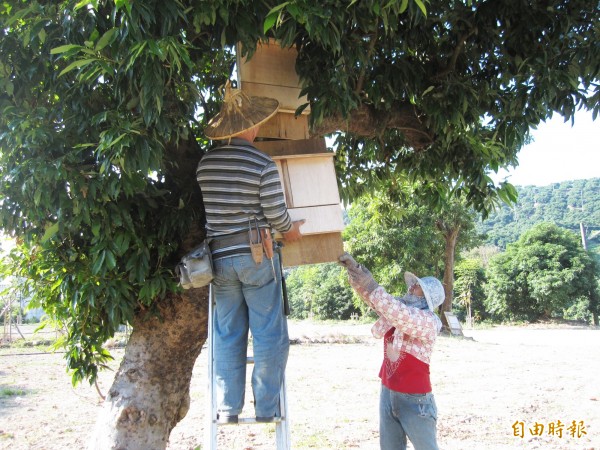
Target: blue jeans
(249, 297)
(402, 415)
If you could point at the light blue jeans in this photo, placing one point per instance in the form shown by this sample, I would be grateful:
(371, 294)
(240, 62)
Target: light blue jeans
(402, 415)
(249, 297)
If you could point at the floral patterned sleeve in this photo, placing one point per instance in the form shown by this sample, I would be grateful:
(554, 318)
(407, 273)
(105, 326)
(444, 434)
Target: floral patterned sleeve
(393, 313)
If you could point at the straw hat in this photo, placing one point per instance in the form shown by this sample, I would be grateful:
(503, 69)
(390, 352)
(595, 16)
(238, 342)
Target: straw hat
(432, 289)
(240, 113)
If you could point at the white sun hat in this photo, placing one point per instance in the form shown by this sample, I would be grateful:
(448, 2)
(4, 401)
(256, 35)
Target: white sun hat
(432, 288)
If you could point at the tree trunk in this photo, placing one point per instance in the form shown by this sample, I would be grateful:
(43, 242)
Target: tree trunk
(150, 392)
(451, 237)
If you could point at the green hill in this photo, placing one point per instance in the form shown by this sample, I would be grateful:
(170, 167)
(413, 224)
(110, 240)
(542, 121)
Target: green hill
(567, 204)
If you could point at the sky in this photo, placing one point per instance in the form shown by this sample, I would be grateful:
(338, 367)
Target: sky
(558, 153)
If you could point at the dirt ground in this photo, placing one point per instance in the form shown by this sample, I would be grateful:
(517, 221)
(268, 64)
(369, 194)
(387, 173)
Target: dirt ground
(495, 389)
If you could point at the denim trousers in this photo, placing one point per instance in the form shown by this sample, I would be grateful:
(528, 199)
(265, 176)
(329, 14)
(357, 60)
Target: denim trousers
(407, 415)
(249, 297)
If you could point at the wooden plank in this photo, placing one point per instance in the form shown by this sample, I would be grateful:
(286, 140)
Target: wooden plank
(319, 219)
(311, 155)
(285, 126)
(282, 148)
(313, 249)
(271, 64)
(313, 181)
(284, 176)
(289, 97)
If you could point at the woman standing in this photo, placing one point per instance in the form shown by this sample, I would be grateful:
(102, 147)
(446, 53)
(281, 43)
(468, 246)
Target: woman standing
(409, 328)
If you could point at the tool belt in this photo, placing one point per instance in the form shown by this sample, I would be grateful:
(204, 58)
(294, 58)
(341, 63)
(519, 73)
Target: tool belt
(230, 240)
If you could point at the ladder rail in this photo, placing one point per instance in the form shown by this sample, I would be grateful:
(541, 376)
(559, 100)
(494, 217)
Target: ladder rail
(210, 435)
(282, 429)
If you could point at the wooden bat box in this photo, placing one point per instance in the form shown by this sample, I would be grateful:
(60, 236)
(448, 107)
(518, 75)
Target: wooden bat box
(305, 165)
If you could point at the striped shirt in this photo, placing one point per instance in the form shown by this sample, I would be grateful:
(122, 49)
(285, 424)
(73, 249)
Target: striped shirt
(240, 183)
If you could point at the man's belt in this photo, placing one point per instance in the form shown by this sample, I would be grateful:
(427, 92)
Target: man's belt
(231, 240)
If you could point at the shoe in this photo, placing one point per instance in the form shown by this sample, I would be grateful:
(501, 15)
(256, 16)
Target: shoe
(227, 418)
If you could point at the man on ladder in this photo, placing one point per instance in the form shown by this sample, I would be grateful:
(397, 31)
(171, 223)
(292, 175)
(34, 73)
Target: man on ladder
(243, 200)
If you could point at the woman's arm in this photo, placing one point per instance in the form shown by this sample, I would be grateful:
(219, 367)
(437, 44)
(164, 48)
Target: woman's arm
(415, 322)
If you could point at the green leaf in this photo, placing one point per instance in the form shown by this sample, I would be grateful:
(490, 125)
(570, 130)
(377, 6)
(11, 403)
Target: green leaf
(270, 22)
(110, 260)
(64, 48)
(10, 88)
(84, 3)
(272, 16)
(107, 38)
(421, 6)
(99, 262)
(126, 3)
(50, 232)
(122, 243)
(117, 140)
(77, 65)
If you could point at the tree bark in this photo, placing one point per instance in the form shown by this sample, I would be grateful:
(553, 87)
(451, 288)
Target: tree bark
(150, 391)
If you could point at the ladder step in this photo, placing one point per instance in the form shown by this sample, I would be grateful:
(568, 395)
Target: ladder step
(249, 420)
(250, 360)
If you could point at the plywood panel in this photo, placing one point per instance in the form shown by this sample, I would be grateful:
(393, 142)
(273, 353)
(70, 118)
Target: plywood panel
(285, 126)
(271, 64)
(312, 181)
(271, 72)
(319, 219)
(313, 249)
(285, 182)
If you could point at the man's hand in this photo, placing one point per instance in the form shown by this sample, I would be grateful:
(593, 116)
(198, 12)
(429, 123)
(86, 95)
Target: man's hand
(360, 278)
(294, 233)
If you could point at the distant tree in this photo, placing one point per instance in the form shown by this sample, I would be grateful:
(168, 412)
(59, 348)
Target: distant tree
(299, 283)
(321, 292)
(453, 221)
(483, 254)
(545, 272)
(389, 240)
(469, 291)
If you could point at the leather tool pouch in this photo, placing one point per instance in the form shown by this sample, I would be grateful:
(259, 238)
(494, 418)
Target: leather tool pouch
(267, 242)
(255, 247)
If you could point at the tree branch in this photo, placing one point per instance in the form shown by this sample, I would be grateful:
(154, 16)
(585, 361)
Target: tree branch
(361, 78)
(455, 54)
(367, 122)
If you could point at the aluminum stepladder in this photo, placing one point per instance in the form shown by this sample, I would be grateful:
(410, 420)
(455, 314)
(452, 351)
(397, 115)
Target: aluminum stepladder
(282, 430)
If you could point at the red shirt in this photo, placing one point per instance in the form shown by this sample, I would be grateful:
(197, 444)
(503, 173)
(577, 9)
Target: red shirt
(401, 371)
